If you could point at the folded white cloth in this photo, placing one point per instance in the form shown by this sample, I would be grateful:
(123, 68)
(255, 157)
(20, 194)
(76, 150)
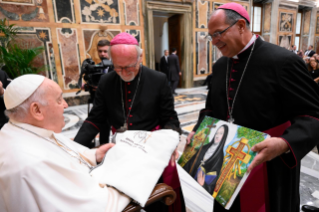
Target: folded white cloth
(136, 162)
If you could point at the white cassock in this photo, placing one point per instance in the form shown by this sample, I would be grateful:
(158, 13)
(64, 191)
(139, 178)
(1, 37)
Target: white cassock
(37, 175)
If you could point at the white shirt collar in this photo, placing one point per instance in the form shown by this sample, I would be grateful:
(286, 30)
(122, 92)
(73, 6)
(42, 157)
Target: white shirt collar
(252, 40)
(40, 131)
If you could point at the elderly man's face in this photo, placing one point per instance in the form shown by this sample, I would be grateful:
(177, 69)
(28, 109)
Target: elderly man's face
(53, 118)
(228, 41)
(126, 61)
(166, 53)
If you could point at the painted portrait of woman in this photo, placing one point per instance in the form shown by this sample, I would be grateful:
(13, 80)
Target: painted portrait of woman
(206, 164)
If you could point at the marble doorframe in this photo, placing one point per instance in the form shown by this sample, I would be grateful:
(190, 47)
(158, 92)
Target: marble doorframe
(186, 31)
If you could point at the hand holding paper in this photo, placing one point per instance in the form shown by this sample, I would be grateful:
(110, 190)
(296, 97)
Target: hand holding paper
(268, 150)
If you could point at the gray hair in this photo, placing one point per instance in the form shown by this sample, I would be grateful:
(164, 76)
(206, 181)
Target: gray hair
(20, 112)
(232, 17)
(138, 50)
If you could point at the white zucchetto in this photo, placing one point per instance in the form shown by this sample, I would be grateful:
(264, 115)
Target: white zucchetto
(20, 89)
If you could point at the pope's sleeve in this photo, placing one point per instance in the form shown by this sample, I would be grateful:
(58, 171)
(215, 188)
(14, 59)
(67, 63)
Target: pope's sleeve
(168, 116)
(300, 104)
(97, 117)
(48, 186)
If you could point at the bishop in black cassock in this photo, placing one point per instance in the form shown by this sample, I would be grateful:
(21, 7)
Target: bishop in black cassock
(275, 94)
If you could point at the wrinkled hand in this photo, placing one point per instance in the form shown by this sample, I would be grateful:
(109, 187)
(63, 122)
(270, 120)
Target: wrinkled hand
(174, 157)
(1, 89)
(201, 178)
(180, 73)
(268, 150)
(100, 152)
(189, 137)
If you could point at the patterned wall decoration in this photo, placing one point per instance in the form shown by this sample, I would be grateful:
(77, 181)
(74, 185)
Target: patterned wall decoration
(286, 27)
(306, 25)
(131, 12)
(267, 17)
(136, 34)
(266, 37)
(304, 43)
(202, 13)
(92, 37)
(63, 11)
(100, 11)
(33, 37)
(316, 46)
(69, 54)
(202, 53)
(284, 41)
(285, 22)
(317, 25)
(24, 10)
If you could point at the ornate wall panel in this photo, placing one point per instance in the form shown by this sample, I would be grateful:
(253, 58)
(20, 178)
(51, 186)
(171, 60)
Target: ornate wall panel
(316, 46)
(267, 18)
(92, 37)
(63, 11)
(68, 45)
(266, 37)
(33, 37)
(136, 34)
(202, 53)
(306, 25)
(286, 27)
(131, 12)
(304, 43)
(24, 10)
(202, 13)
(100, 11)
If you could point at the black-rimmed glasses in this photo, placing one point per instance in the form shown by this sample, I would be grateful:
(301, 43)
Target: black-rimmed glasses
(218, 34)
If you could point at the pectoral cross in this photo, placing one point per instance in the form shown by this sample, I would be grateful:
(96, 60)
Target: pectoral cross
(237, 155)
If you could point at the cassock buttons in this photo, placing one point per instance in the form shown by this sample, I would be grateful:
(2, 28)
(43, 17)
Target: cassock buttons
(131, 116)
(130, 100)
(129, 108)
(233, 70)
(232, 80)
(231, 89)
(129, 92)
(131, 124)
(128, 83)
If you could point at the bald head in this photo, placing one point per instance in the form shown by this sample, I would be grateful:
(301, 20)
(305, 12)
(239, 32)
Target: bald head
(126, 59)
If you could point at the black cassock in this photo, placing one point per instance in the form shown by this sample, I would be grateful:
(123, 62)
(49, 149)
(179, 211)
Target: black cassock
(275, 89)
(153, 105)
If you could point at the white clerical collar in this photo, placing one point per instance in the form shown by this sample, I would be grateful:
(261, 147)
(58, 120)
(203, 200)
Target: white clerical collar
(252, 40)
(40, 131)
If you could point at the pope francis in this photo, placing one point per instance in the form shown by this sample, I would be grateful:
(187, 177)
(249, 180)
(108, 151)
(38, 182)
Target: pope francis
(41, 170)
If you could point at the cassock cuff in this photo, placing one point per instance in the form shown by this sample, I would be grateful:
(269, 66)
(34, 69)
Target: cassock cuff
(289, 157)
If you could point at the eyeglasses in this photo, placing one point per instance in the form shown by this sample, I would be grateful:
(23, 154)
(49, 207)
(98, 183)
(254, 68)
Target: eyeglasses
(127, 68)
(218, 34)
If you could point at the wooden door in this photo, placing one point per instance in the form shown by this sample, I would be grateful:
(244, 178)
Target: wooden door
(174, 36)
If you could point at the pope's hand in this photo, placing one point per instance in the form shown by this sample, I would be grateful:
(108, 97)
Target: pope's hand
(189, 137)
(268, 150)
(100, 152)
(174, 157)
(1, 89)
